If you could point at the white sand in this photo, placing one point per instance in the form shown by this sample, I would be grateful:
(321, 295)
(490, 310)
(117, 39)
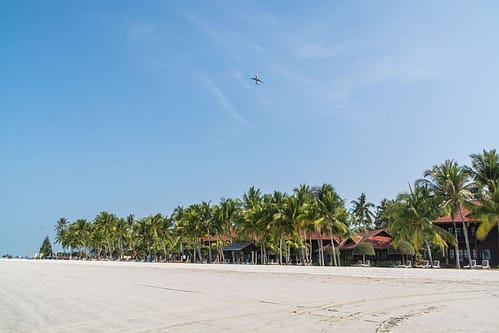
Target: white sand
(73, 296)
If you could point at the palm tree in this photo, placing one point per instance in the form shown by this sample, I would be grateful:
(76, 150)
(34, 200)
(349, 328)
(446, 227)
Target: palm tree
(121, 234)
(178, 219)
(362, 214)
(206, 218)
(312, 214)
(252, 222)
(107, 223)
(82, 235)
(451, 183)
(412, 220)
(332, 209)
(130, 235)
(224, 217)
(485, 169)
(60, 230)
(281, 229)
(488, 214)
(382, 217)
(292, 214)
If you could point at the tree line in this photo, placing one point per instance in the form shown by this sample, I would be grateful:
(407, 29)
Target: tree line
(283, 224)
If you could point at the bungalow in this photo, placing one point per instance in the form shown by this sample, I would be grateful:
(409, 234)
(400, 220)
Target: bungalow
(380, 240)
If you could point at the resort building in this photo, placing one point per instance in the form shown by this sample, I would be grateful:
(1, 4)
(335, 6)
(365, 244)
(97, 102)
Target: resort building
(380, 240)
(487, 249)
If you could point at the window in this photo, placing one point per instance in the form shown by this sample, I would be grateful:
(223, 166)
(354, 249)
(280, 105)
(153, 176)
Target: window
(485, 254)
(473, 231)
(383, 254)
(474, 253)
(451, 253)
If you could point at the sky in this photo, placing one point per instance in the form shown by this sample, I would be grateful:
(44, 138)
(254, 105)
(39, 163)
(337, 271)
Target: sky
(141, 106)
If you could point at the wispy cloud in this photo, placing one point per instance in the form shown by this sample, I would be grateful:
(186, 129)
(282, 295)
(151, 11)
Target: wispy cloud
(142, 32)
(320, 50)
(222, 100)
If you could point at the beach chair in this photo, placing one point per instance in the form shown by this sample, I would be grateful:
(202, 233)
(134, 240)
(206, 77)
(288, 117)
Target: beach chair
(485, 264)
(425, 264)
(358, 263)
(408, 264)
(472, 264)
(436, 264)
(397, 264)
(367, 264)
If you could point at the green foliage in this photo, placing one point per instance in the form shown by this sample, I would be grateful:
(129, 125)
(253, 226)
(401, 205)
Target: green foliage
(46, 248)
(284, 222)
(363, 249)
(403, 248)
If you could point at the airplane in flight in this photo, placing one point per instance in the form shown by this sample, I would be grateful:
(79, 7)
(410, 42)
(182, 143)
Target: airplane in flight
(256, 79)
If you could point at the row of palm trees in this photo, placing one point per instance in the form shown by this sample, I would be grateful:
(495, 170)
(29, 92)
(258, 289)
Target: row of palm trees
(283, 224)
(278, 222)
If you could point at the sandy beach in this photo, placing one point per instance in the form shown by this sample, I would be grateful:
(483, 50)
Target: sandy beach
(79, 296)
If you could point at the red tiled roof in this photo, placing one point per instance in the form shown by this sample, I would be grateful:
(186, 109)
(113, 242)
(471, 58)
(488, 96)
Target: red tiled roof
(379, 239)
(457, 218)
(325, 237)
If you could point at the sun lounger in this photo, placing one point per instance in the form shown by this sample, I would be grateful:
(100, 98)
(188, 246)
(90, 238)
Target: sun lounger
(436, 264)
(358, 263)
(472, 265)
(485, 264)
(425, 264)
(397, 264)
(367, 264)
(408, 264)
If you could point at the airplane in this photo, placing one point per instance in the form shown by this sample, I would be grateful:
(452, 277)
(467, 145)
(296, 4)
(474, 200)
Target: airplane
(256, 79)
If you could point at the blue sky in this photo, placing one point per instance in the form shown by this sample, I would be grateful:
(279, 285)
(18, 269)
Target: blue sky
(137, 107)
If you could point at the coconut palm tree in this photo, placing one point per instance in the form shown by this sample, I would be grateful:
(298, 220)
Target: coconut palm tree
(291, 213)
(130, 235)
(451, 183)
(82, 235)
(362, 213)
(485, 170)
(106, 222)
(206, 218)
(488, 213)
(281, 228)
(332, 209)
(225, 215)
(412, 219)
(60, 230)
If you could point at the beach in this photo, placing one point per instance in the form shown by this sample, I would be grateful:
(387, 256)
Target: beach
(100, 296)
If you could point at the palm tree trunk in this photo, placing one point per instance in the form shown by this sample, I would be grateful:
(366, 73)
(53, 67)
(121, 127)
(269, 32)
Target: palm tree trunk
(334, 254)
(429, 251)
(456, 247)
(333, 249)
(209, 245)
(280, 251)
(301, 248)
(321, 249)
(466, 239)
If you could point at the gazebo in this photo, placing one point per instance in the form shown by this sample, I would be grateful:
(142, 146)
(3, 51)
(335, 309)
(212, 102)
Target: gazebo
(240, 252)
